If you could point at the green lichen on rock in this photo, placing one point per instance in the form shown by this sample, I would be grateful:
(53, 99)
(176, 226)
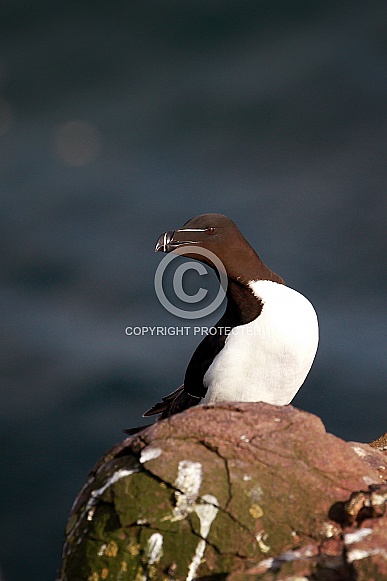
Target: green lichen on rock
(216, 489)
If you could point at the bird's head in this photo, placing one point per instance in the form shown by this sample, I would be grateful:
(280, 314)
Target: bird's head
(219, 235)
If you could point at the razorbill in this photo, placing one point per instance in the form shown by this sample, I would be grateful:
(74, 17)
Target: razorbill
(265, 342)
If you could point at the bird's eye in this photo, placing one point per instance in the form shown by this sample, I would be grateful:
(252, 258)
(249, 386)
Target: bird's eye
(210, 230)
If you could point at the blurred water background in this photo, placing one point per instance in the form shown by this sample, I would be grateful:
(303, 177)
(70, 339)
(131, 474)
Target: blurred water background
(119, 120)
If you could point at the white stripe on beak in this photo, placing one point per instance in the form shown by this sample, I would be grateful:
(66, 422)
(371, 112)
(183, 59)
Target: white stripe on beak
(192, 230)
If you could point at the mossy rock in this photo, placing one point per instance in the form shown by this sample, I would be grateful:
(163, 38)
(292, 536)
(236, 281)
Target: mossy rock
(219, 488)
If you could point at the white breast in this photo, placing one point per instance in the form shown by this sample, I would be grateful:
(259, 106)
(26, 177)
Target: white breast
(269, 358)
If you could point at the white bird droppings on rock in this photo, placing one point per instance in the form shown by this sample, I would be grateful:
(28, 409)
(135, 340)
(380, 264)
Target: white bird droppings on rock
(357, 555)
(359, 451)
(154, 548)
(150, 453)
(95, 494)
(357, 536)
(189, 478)
(206, 512)
(188, 483)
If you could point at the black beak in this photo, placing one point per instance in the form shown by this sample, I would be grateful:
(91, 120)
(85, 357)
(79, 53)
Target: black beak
(169, 241)
(164, 243)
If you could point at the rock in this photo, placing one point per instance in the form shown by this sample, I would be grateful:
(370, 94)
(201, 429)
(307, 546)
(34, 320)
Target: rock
(380, 444)
(236, 491)
(366, 550)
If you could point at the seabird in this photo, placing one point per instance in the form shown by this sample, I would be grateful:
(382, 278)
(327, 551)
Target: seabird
(265, 342)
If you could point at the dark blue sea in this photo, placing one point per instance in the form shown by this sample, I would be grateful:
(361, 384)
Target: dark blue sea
(120, 120)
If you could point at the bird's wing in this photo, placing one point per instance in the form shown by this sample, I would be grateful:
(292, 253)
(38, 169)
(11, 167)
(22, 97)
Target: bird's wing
(193, 390)
(165, 402)
(201, 360)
